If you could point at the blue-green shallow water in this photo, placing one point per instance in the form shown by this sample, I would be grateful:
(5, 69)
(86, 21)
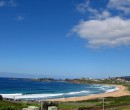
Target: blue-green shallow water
(27, 89)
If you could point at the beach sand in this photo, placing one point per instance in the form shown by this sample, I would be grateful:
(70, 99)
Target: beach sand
(122, 91)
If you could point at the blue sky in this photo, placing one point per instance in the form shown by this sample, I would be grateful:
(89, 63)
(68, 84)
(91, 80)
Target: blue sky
(64, 38)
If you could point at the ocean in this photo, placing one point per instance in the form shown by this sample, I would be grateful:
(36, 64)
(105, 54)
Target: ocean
(32, 90)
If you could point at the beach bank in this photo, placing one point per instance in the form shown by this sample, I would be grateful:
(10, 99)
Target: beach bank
(121, 91)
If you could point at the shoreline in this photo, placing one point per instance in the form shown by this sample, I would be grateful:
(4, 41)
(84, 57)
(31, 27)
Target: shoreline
(122, 91)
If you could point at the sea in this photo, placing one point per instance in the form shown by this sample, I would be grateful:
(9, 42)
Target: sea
(33, 90)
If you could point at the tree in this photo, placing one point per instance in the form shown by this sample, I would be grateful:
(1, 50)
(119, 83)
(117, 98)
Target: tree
(1, 98)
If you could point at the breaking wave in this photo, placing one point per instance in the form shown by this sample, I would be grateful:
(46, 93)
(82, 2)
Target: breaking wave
(38, 96)
(47, 96)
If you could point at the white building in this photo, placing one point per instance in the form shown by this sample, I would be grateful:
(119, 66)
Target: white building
(52, 108)
(31, 108)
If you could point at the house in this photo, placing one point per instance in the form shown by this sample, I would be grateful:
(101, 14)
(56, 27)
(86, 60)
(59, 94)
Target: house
(31, 108)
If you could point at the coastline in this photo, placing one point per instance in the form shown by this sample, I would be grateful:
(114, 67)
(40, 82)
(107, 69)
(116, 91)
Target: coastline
(122, 91)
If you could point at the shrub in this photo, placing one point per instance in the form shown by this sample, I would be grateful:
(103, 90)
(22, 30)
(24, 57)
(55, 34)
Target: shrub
(85, 108)
(1, 98)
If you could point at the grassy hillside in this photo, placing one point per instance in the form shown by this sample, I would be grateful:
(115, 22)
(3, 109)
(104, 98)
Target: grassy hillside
(4, 105)
(120, 103)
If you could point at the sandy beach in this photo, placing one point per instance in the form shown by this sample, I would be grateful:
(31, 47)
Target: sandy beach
(122, 91)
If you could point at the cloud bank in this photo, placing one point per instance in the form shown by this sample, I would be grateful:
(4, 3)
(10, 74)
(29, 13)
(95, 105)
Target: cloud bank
(105, 29)
(122, 5)
(109, 32)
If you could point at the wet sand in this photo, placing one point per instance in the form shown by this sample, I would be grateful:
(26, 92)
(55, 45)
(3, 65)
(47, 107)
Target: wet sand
(122, 91)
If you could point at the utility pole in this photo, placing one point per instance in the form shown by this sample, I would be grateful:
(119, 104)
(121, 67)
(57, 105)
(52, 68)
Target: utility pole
(103, 103)
(41, 105)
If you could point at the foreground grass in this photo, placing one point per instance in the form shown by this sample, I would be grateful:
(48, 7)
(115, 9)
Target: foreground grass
(120, 108)
(119, 103)
(73, 105)
(97, 103)
(6, 105)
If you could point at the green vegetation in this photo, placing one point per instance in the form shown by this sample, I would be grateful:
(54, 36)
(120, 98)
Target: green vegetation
(73, 105)
(120, 108)
(4, 105)
(1, 98)
(110, 102)
(119, 103)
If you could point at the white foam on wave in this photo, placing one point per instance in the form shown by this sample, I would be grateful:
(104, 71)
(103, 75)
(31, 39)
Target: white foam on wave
(38, 96)
(33, 96)
(11, 95)
(112, 90)
(101, 86)
(105, 88)
(71, 93)
(29, 96)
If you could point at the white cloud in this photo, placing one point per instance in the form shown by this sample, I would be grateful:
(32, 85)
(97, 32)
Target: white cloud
(2, 3)
(19, 18)
(122, 5)
(94, 13)
(8, 3)
(104, 28)
(110, 32)
(103, 15)
(85, 7)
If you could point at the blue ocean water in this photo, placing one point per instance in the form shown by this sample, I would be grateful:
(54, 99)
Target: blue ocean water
(27, 89)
